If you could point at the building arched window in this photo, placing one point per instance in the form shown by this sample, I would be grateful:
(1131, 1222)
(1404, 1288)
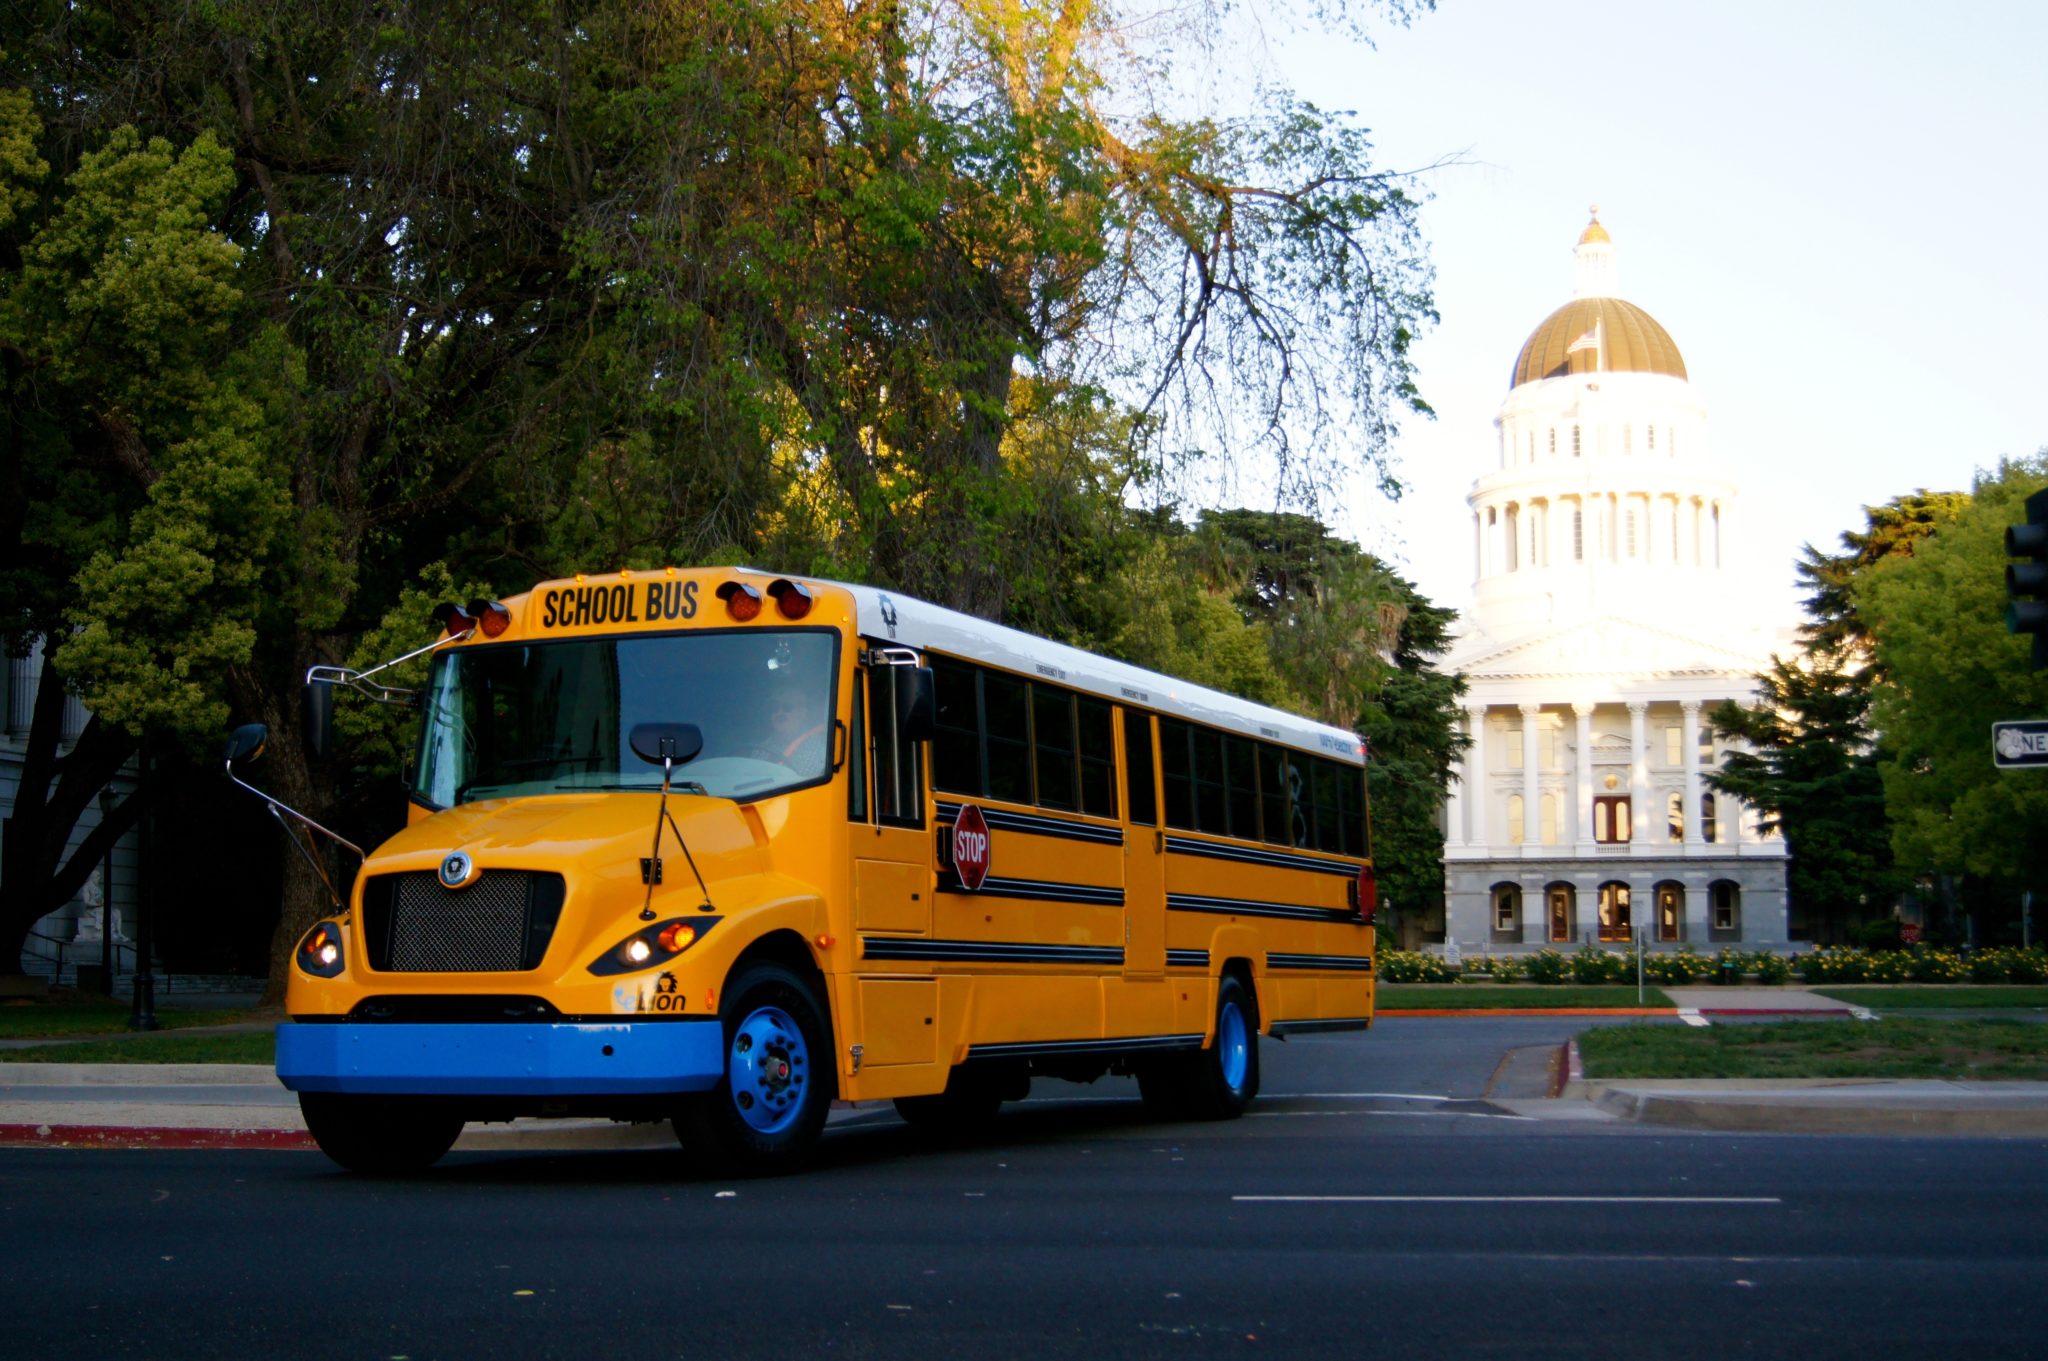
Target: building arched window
(1547, 812)
(1674, 812)
(1561, 905)
(1507, 913)
(1709, 827)
(1514, 553)
(1670, 910)
(1515, 815)
(1578, 534)
(1725, 899)
(1575, 442)
(1614, 912)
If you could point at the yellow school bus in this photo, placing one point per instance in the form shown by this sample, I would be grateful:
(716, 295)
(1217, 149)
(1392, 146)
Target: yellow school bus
(724, 847)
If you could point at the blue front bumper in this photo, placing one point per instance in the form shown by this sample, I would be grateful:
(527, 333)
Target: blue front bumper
(625, 1058)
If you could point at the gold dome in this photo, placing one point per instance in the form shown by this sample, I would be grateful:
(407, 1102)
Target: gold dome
(1595, 233)
(1631, 341)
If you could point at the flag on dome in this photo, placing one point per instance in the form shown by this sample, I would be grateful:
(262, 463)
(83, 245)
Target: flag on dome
(1589, 341)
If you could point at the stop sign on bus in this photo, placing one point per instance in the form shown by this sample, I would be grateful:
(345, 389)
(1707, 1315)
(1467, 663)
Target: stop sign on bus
(970, 847)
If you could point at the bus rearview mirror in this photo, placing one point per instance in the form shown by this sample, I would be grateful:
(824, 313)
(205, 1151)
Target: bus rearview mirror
(316, 719)
(917, 704)
(245, 743)
(658, 742)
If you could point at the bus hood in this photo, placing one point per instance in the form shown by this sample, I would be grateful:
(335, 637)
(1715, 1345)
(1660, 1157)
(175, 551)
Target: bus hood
(590, 838)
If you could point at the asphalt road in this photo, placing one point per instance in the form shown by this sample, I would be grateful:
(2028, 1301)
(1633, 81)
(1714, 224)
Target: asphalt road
(1377, 1203)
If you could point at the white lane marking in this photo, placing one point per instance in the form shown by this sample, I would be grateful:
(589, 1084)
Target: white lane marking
(1861, 1013)
(1359, 1096)
(1515, 1200)
(1691, 1016)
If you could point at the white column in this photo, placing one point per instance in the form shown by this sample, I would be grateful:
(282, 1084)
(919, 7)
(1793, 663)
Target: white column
(1476, 763)
(1532, 780)
(1454, 800)
(1690, 738)
(1638, 773)
(1582, 793)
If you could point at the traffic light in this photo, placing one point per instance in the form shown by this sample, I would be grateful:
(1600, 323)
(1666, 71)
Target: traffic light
(2027, 582)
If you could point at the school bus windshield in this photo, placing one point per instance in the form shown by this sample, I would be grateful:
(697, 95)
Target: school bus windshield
(533, 718)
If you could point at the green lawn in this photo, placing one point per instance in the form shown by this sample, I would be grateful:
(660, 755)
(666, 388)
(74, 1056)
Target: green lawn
(1471, 997)
(1911, 1048)
(1939, 997)
(69, 1013)
(237, 1047)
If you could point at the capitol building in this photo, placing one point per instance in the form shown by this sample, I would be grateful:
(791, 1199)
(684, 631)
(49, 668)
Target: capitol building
(1607, 620)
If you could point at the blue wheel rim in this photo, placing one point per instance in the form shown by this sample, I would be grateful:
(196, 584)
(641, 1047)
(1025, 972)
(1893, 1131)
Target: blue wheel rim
(768, 1069)
(1233, 1045)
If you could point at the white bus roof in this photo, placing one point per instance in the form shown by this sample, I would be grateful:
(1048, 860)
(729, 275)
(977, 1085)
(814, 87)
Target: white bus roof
(887, 616)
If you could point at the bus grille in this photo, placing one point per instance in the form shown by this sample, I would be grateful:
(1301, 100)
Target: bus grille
(500, 924)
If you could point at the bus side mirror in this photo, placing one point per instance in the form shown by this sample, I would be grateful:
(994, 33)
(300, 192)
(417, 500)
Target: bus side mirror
(245, 743)
(316, 718)
(917, 704)
(655, 743)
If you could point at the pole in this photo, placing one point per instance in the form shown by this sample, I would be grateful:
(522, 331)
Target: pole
(143, 1017)
(1639, 968)
(2026, 918)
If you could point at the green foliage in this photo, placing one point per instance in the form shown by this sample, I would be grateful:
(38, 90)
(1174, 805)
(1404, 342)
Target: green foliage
(1936, 620)
(1411, 966)
(1676, 969)
(1591, 964)
(1548, 966)
(1500, 968)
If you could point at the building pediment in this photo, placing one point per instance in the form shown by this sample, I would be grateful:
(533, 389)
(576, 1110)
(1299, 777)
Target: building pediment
(1609, 646)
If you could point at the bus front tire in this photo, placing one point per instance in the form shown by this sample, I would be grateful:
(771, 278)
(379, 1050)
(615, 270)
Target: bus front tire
(1216, 1083)
(768, 1110)
(393, 1135)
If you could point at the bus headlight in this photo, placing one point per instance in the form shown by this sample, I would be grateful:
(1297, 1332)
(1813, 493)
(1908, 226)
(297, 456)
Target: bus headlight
(319, 954)
(656, 943)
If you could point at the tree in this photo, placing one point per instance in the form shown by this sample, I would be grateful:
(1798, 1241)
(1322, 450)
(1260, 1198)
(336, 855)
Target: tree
(1808, 757)
(1936, 622)
(525, 289)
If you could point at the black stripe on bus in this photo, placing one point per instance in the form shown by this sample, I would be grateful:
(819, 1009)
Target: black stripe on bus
(1035, 824)
(1284, 1028)
(1187, 959)
(987, 951)
(1184, 845)
(1344, 963)
(1026, 1049)
(1042, 890)
(1247, 907)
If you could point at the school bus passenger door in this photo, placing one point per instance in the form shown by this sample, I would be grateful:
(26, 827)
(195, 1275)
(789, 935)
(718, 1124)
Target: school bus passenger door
(1144, 853)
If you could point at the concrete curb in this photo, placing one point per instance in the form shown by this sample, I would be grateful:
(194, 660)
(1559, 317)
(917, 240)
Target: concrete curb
(137, 1075)
(1823, 1108)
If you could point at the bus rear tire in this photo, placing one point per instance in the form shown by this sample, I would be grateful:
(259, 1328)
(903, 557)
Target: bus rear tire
(1216, 1083)
(768, 1110)
(392, 1135)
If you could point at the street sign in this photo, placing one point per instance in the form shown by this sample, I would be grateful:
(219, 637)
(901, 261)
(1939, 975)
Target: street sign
(2020, 746)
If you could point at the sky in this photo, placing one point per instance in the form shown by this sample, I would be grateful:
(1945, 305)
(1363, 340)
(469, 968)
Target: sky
(1839, 212)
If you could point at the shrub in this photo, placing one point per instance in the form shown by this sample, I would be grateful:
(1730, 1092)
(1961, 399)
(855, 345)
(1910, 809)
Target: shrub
(1591, 964)
(1413, 966)
(2027, 966)
(1684, 967)
(1500, 968)
(1546, 966)
(1936, 966)
(1769, 969)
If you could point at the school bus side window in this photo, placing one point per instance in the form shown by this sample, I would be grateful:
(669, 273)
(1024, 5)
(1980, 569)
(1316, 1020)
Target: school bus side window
(1098, 756)
(1052, 740)
(1138, 764)
(956, 749)
(1006, 729)
(1273, 821)
(1241, 787)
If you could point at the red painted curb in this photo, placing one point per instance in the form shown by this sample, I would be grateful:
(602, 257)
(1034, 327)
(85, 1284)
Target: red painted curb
(143, 1136)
